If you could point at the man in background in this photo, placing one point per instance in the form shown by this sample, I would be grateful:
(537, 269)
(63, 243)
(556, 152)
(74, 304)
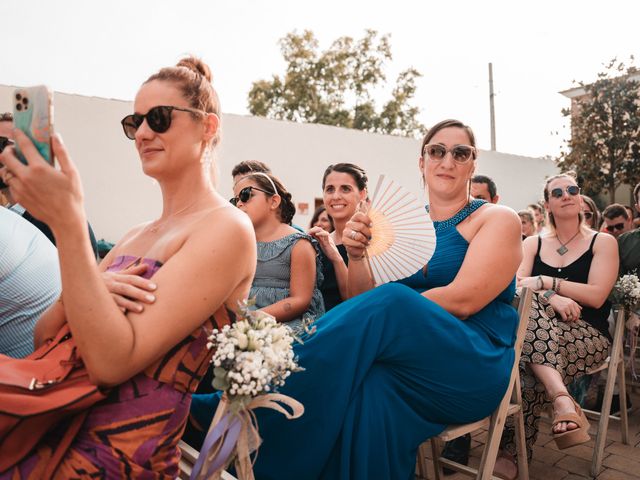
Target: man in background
(616, 220)
(629, 243)
(484, 188)
(29, 282)
(6, 139)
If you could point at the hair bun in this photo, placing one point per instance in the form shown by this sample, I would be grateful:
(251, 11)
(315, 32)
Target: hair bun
(196, 65)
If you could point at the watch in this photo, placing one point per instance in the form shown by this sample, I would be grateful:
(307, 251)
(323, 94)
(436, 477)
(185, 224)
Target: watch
(548, 294)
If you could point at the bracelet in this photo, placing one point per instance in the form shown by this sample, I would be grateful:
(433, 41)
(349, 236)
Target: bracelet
(540, 285)
(557, 288)
(553, 286)
(356, 259)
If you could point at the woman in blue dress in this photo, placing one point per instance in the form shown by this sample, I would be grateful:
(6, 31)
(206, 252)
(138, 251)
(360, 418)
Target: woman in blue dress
(392, 367)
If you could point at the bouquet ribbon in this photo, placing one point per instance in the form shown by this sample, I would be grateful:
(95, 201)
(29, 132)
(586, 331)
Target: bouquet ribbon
(235, 434)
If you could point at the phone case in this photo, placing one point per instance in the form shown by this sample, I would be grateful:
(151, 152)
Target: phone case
(33, 114)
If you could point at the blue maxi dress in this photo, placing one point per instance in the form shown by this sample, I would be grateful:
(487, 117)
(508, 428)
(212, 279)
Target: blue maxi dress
(384, 372)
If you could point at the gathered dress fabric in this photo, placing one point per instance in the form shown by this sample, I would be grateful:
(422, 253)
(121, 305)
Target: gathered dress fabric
(387, 370)
(272, 280)
(134, 432)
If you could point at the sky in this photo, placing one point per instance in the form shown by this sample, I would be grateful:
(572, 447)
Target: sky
(537, 48)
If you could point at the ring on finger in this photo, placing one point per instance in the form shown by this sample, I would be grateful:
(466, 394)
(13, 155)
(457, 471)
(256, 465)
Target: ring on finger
(353, 234)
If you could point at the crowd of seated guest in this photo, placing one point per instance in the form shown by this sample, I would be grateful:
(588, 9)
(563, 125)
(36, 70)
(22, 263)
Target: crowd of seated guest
(572, 255)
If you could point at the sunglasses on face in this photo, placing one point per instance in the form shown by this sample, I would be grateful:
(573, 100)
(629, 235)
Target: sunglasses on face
(587, 215)
(245, 194)
(572, 190)
(4, 143)
(617, 226)
(460, 153)
(158, 119)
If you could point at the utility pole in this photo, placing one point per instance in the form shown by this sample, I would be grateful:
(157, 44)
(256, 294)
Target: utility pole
(492, 109)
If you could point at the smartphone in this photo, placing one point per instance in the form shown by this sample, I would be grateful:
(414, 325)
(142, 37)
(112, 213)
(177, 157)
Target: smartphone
(33, 114)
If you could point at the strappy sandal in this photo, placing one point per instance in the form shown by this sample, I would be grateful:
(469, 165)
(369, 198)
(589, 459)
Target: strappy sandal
(570, 437)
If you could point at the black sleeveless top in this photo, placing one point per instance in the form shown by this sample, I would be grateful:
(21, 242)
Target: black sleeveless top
(577, 271)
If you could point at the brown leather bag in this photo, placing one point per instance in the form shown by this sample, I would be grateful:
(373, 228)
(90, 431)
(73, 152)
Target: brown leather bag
(37, 392)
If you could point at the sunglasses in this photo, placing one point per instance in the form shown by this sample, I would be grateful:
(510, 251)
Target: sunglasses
(460, 153)
(245, 194)
(617, 226)
(572, 190)
(587, 215)
(158, 119)
(4, 143)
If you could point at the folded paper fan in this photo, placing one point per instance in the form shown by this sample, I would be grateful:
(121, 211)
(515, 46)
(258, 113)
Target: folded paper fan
(402, 235)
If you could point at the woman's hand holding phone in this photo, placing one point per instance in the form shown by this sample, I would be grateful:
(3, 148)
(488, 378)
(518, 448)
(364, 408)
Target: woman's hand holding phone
(52, 196)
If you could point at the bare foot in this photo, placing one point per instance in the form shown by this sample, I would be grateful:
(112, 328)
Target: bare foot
(505, 467)
(563, 405)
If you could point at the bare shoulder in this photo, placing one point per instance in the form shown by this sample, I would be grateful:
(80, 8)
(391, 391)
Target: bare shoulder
(605, 242)
(225, 224)
(498, 216)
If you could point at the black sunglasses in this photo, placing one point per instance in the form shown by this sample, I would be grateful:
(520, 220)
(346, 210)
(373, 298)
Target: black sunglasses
(572, 190)
(588, 215)
(245, 194)
(158, 119)
(617, 226)
(460, 153)
(4, 143)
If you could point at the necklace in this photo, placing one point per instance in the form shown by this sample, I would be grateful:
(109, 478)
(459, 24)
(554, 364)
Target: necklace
(563, 246)
(157, 224)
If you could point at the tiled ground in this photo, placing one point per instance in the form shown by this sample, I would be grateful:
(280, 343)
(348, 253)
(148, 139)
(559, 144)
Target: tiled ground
(621, 462)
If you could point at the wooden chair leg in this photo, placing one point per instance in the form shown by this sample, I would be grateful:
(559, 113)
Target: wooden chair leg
(422, 461)
(521, 438)
(436, 450)
(491, 447)
(622, 392)
(603, 422)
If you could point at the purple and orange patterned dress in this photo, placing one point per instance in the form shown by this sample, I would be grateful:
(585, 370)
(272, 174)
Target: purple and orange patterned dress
(134, 432)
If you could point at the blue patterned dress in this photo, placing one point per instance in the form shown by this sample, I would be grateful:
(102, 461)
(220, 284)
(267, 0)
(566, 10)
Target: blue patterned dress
(384, 372)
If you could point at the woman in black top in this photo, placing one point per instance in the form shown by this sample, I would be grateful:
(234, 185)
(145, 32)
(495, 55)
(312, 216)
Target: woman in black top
(344, 186)
(572, 269)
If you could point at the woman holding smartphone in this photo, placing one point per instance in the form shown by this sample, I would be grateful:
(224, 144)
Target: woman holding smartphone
(141, 357)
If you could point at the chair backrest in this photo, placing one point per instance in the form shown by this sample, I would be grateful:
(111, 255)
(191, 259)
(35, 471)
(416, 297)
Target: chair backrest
(524, 310)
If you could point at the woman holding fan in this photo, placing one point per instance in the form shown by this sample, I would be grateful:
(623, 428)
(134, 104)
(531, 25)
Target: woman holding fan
(388, 369)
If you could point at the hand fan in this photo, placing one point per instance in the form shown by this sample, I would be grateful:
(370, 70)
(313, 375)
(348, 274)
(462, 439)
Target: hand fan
(402, 236)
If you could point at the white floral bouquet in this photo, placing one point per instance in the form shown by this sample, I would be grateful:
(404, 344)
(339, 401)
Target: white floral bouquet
(626, 292)
(253, 357)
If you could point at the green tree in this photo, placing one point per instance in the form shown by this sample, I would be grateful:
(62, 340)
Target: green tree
(604, 149)
(335, 86)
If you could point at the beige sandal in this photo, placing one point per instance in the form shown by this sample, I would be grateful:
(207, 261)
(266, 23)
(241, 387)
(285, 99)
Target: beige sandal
(575, 436)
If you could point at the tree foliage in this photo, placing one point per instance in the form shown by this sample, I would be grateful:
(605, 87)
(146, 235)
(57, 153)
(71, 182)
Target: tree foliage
(335, 86)
(604, 148)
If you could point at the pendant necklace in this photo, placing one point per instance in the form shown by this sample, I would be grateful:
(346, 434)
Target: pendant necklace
(563, 246)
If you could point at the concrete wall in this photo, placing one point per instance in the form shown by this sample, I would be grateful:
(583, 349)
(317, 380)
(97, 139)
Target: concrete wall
(119, 196)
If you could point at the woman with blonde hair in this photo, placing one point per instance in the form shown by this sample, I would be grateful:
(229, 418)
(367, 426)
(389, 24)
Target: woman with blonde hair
(572, 268)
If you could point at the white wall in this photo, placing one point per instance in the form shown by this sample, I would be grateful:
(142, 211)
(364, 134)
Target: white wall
(119, 196)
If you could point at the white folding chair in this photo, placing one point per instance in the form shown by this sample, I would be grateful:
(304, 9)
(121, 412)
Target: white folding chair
(614, 365)
(511, 404)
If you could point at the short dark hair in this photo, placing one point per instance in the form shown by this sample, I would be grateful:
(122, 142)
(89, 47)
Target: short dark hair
(615, 210)
(636, 193)
(6, 117)
(248, 166)
(488, 181)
